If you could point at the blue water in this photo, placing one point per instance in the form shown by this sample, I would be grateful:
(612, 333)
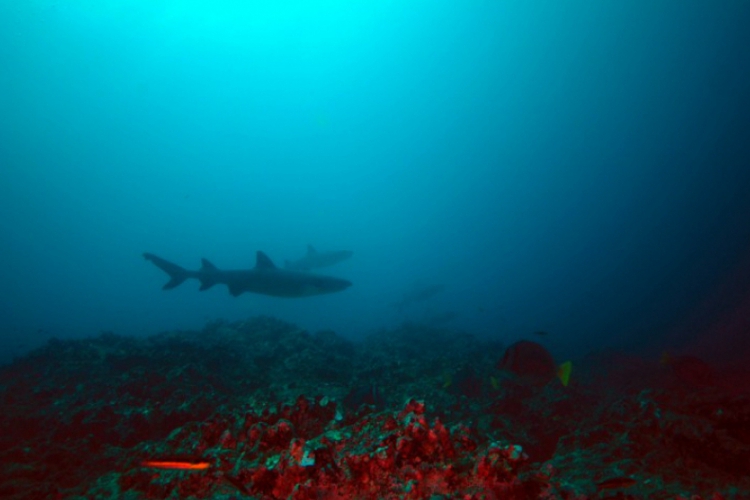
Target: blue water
(574, 167)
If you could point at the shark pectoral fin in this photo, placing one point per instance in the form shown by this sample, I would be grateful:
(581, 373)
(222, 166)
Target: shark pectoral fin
(206, 284)
(263, 262)
(235, 290)
(173, 283)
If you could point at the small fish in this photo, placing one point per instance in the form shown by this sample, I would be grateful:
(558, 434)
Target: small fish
(541, 333)
(564, 371)
(177, 464)
(616, 483)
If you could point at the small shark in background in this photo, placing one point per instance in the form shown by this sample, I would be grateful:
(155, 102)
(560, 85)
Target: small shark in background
(418, 295)
(316, 260)
(265, 278)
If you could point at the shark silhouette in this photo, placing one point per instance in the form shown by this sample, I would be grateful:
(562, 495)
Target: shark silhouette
(314, 259)
(265, 278)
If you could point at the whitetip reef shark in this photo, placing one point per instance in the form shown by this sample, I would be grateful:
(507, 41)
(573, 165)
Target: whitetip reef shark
(265, 278)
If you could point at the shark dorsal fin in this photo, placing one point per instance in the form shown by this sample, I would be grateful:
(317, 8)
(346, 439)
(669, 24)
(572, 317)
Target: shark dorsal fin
(311, 250)
(263, 262)
(207, 266)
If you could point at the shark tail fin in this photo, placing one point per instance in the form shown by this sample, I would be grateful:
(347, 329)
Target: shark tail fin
(176, 273)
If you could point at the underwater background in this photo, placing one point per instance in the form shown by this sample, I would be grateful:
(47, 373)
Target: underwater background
(511, 239)
(579, 168)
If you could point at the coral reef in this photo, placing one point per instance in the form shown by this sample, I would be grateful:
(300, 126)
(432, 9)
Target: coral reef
(256, 410)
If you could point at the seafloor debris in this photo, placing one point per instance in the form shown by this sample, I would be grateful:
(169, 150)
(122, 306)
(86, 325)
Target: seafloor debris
(263, 410)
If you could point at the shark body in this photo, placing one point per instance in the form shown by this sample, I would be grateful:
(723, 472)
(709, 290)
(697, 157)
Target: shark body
(315, 260)
(265, 278)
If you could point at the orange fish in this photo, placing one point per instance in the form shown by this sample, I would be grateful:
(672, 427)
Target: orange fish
(616, 483)
(177, 464)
